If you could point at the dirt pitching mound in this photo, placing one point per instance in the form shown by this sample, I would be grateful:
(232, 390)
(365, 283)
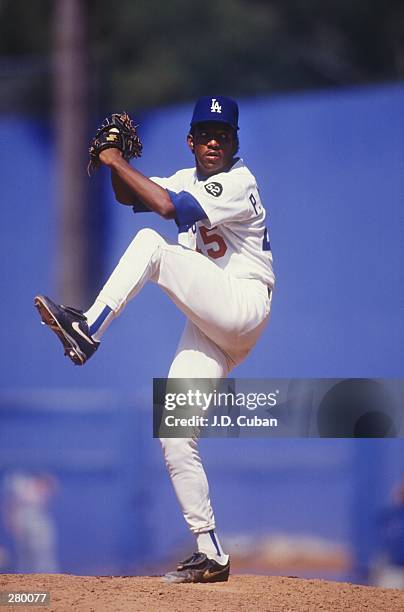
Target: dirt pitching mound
(143, 594)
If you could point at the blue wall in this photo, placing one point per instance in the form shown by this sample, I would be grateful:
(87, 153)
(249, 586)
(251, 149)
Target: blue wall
(331, 172)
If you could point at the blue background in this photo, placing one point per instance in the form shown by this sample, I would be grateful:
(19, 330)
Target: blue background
(330, 167)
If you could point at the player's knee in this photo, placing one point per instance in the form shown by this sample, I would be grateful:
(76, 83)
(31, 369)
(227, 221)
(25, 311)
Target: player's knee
(149, 236)
(146, 240)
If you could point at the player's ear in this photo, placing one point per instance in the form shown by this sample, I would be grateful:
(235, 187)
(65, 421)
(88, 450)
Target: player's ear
(236, 145)
(190, 141)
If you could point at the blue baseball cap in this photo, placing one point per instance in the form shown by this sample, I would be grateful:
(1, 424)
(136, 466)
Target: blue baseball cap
(217, 108)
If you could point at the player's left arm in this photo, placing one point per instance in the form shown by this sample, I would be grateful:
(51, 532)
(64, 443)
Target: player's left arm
(123, 193)
(156, 198)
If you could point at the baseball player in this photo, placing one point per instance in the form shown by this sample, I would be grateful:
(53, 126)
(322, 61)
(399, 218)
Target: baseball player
(219, 275)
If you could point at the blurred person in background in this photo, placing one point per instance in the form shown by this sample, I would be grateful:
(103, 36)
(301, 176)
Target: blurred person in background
(388, 569)
(30, 522)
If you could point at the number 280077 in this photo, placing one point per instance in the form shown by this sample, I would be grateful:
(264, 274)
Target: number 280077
(25, 598)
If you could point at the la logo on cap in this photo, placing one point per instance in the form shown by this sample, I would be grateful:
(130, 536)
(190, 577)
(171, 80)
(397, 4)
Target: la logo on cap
(215, 106)
(220, 109)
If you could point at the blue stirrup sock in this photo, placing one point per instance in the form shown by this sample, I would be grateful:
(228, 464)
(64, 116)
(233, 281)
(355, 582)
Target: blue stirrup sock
(99, 317)
(209, 543)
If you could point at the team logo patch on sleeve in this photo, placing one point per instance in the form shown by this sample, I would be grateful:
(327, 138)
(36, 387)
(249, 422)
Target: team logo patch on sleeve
(214, 189)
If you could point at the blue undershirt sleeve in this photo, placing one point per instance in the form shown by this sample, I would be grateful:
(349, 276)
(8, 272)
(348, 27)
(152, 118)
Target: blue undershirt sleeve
(187, 208)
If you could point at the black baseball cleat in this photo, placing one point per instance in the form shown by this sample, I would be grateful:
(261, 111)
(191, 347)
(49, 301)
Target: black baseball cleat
(70, 326)
(198, 568)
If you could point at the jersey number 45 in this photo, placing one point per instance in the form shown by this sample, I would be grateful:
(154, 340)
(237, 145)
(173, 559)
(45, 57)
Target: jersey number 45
(218, 246)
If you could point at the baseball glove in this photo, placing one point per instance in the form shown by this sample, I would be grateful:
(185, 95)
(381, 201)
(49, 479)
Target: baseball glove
(117, 131)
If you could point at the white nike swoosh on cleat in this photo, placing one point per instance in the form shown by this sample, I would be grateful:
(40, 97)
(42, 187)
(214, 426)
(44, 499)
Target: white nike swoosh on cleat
(77, 329)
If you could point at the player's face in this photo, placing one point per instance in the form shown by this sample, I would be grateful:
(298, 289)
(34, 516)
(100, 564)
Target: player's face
(214, 146)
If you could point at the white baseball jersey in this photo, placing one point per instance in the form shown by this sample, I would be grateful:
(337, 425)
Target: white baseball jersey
(232, 231)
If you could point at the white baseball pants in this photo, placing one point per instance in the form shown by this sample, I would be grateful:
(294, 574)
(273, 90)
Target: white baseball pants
(226, 316)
